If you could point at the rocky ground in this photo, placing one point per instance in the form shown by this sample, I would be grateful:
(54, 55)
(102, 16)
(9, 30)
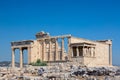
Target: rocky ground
(60, 72)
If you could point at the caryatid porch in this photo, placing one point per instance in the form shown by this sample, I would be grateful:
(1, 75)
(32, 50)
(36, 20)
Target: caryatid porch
(83, 49)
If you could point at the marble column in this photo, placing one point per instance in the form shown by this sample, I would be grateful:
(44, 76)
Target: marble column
(62, 49)
(77, 50)
(50, 48)
(40, 50)
(29, 55)
(110, 54)
(13, 57)
(56, 49)
(69, 49)
(44, 51)
(21, 58)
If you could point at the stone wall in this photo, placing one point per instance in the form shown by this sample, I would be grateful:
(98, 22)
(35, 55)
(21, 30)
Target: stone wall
(34, 51)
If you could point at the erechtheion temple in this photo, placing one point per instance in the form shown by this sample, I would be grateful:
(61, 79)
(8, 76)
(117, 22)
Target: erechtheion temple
(53, 49)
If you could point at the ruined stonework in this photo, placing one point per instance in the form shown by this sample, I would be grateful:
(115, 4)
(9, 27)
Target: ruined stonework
(52, 49)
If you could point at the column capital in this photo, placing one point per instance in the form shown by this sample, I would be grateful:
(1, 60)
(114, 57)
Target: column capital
(69, 37)
(12, 48)
(56, 38)
(47, 40)
(20, 48)
(53, 40)
(29, 47)
(62, 38)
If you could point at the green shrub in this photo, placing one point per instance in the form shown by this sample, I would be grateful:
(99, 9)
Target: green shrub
(38, 63)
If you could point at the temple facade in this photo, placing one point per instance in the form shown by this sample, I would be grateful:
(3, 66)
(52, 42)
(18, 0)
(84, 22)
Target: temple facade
(64, 48)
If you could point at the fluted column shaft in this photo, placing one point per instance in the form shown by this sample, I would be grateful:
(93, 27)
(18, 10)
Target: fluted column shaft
(56, 50)
(44, 51)
(51, 55)
(21, 58)
(69, 49)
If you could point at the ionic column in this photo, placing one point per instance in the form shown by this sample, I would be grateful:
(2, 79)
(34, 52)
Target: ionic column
(29, 55)
(69, 49)
(21, 58)
(44, 51)
(51, 55)
(13, 57)
(56, 49)
(40, 51)
(62, 49)
(77, 50)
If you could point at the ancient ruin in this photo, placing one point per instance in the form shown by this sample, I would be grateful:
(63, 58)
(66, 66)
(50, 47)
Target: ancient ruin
(52, 49)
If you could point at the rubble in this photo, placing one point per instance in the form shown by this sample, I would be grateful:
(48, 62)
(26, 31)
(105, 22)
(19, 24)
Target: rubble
(70, 72)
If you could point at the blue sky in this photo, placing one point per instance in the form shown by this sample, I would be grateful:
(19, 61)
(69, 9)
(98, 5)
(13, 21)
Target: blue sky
(91, 19)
